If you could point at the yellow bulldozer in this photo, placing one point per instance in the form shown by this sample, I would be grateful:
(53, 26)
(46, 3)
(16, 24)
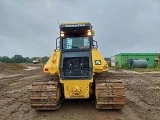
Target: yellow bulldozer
(76, 70)
(37, 60)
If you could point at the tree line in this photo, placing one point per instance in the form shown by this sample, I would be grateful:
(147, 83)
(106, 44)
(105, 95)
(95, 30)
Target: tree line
(21, 59)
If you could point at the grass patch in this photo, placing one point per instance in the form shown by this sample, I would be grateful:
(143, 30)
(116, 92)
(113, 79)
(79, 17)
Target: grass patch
(146, 69)
(138, 69)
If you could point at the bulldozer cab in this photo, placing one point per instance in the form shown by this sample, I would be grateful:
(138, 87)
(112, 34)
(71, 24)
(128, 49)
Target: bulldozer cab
(76, 41)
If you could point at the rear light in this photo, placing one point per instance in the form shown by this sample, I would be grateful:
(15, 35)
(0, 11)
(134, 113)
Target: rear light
(45, 69)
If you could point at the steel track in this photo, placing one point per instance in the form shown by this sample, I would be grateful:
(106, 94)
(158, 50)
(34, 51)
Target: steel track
(109, 92)
(43, 94)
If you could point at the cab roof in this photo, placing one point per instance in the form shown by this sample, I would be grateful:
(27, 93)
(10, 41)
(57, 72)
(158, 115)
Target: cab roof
(75, 24)
(72, 23)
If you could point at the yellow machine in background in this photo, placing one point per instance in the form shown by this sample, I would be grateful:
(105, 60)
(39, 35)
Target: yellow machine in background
(37, 60)
(76, 70)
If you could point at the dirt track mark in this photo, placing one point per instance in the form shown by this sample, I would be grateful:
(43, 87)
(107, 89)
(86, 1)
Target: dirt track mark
(14, 100)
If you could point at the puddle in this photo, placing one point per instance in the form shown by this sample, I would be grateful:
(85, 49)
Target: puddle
(123, 71)
(8, 76)
(19, 90)
(31, 68)
(154, 87)
(127, 71)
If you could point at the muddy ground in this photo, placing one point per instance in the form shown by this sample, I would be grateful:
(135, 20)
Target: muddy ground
(142, 97)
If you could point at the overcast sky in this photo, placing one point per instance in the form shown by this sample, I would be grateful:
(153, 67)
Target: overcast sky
(30, 28)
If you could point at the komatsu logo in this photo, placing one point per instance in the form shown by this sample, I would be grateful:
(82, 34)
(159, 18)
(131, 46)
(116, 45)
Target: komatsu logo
(76, 25)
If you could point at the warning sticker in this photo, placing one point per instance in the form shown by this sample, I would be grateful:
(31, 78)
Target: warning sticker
(97, 62)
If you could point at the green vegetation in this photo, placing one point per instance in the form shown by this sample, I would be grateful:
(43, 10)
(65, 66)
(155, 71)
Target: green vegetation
(146, 69)
(20, 59)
